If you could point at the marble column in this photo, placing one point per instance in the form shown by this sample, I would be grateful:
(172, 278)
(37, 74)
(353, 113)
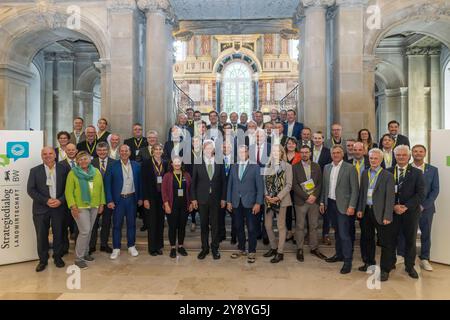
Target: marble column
(436, 119)
(418, 100)
(48, 99)
(218, 91)
(404, 110)
(63, 109)
(313, 62)
(159, 109)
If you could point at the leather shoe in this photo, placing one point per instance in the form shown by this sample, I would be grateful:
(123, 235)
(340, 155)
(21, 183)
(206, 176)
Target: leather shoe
(412, 273)
(364, 267)
(278, 257)
(159, 252)
(182, 251)
(202, 255)
(300, 256)
(216, 255)
(153, 253)
(270, 253)
(173, 253)
(41, 266)
(318, 254)
(233, 241)
(266, 241)
(384, 276)
(106, 249)
(92, 250)
(333, 259)
(59, 263)
(346, 268)
(143, 228)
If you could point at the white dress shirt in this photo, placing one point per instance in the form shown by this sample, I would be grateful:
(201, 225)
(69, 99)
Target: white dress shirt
(51, 180)
(128, 180)
(209, 161)
(113, 153)
(290, 129)
(316, 154)
(333, 179)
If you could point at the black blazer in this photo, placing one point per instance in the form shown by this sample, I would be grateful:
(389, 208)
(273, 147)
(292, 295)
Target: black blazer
(144, 154)
(149, 179)
(201, 184)
(83, 146)
(96, 164)
(394, 161)
(366, 161)
(104, 137)
(38, 190)
(401, 139)
(168, 148)
(66, 164)
(131, 142)
(411, 192)
(324, 158)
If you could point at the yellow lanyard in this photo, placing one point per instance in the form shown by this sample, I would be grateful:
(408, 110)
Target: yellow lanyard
(61, 157)
(138, 146)
(180, 179)
(91, 151)
(99, 136)
(125, 168)
(372, 181)
(101, 165)
(388, 159)
(158, 168)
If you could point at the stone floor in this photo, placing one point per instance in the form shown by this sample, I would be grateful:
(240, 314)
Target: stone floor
(147, 277)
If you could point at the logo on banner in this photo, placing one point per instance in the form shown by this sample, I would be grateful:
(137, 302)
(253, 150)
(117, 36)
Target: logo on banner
(15, 151)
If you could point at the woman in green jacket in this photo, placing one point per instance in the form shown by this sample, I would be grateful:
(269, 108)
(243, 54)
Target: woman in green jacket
(85, 197)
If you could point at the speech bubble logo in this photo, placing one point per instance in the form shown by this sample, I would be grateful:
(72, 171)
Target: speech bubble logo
(17, 150)
(4, 160)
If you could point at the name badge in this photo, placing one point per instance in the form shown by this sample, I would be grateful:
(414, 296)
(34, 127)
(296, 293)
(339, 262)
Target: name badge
(92, 158)
(159, 179)
(91, 185)
(210, 190)
(180, 192)
(396, 188)
(137, 152)
(49, 182)
(369, 193)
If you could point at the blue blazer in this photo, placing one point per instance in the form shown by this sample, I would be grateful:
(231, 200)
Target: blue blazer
(431, 176)
(249, 190)
(114, 182)
(296, 132)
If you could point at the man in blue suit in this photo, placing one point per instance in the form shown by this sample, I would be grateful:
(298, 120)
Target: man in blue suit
(431, 175)
(292, 128)
(123, 191)
(245, 195)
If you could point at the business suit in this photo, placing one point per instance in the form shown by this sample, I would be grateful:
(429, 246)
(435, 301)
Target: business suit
(243, 194)
(411, 193)
(69, 222)
(329, 143)
(209, 192)
(227, 164)
(43, 215)
(169, 151)
(88, 147)
(73, 138)
(124, 207)
(296, 131)
(383, 199)
(106, 215)
(103, 137)
(144, 154)
(151, 191)
(303, 209)
(346, 192)
(393, 161)
(324, 157)
(135, 145)
(399, 140)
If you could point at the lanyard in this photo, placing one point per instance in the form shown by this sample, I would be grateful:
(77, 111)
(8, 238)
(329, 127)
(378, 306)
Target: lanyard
(180, 179)
(99, 136)
(372, 181)
(102, 165)
(91, 151)
(158, 168)
(138, 146)
(125, 168)
(388, 159)
(62, 155)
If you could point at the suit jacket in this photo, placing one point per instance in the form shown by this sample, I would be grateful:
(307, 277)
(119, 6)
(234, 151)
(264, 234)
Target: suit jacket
(329, 143)
(135, 146)
(285, 193)
(347, 187)
(411, 192)
(249, 190)
(109, 163)
(324, 158)
(401, 139)
(300, 196)
(104, 137)
(383, 197)
(201, 184)
(263, 158)
(38, 190)
(296, 131)
(114, 182)
(85, 146)
(366, 164)
(309, 143)
(73, 139)
(150, 181)
(394, 161)
(66, 164)
(431, 176)
(144, 154)
(168, 148)
(167, 188)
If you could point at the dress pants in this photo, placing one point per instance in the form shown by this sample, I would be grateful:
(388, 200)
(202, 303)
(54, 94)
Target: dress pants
(155, 222)
(368, 244)
(177, 221)
(281, 225)
(425, 222)
(85, 221)
(67, 229)
(209, 216)
(242, 216)
(405, 228)
(126, 208)
(341, 224)
(289, 217)
(326, 224)
(53, 218)
(310, 211)
(222, 228)
(261, 229)
(104, 231)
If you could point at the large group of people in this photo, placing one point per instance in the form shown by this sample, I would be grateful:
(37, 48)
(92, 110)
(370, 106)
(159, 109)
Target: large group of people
(255, 171)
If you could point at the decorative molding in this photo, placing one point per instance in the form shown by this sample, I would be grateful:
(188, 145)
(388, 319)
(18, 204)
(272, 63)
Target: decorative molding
(119, 5)
(421, 51)
(331, 12)
(351, 3)
(184, 35)
(318, 3)
(103, 65)
(370, 63)
(289, 34)
(432, 10)
(159, 6)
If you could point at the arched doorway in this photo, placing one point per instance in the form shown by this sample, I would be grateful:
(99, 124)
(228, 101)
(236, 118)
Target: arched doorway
(237, 91)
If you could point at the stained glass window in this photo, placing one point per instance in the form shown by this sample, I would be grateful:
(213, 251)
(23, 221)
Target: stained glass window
(237, 88)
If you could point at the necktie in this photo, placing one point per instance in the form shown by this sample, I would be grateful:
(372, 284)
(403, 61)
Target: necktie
(258, 156)
(358, 167)
(102, 167)
(210, 171)
(401, 177)
(72, 163)
(241, 171)
(227, 167)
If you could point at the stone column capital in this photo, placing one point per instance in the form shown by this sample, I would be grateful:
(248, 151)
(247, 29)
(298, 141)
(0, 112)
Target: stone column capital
(317, 3)
(158, 6)
(103, 65)
(120, 5)
(370, 63)
(423, 51)
(61, 56)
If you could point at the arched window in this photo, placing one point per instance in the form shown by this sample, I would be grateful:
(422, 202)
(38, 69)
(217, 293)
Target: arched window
(237, 88)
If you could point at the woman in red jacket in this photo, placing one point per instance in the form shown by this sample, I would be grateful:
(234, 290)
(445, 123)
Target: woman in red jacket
(176, 188)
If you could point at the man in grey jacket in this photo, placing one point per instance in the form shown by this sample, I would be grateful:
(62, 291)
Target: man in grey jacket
(375, 209)
(340, 198)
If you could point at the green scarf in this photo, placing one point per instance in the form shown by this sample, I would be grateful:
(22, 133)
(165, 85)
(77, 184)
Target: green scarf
(84, 178)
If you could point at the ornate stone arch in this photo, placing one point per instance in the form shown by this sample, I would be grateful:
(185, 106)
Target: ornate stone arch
(242, 55)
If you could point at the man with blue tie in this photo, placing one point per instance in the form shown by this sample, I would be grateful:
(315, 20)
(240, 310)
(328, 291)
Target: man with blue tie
(292, 128)
(244, 198)
(228, 160)
(123, 191)
(427, 207)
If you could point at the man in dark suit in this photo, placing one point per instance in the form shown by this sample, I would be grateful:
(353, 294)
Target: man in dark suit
(243, 118)
(177, 146)
(214, 129)
(136, 142)
(292, 128)
(375, 207)
(431, 176)
(208, 195)
(145, 153)
(77, 135)
(102, 133)
(90, 144)
(46, 186)
(190, 119)
(394, 128)
(228, 159)
(410, 194)
(102, 163)
(245, 195)
(306, 138)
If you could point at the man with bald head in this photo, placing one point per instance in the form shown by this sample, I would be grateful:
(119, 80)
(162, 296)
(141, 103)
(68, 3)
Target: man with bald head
(46, 186)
